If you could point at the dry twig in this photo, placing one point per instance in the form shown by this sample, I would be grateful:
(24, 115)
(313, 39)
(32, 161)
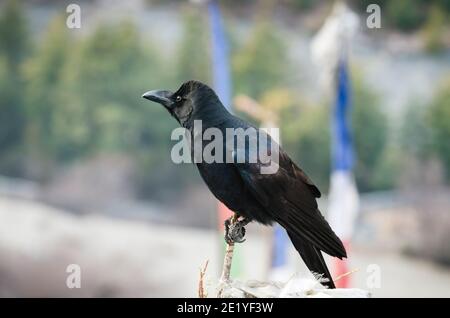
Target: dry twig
(201, 283)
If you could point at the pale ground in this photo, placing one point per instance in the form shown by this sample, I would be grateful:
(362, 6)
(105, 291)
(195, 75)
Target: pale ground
(130, 258)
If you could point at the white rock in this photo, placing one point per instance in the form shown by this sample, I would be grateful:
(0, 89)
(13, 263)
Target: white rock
(299, 286)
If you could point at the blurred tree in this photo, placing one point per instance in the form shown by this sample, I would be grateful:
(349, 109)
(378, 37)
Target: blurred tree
(445, 4)
(303, 4)
(438, 122)
(414, 134)
(370, 133)
(193, 57)
(13, 34)
(306, 137)
(405, 15)
(260, 65)
(104, 81)
(84, 97)
(434, 30)
(106, 111)
(13, 49)
(44, 75)
(386, 174)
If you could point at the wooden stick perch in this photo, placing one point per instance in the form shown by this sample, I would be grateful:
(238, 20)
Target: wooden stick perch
(227, 261)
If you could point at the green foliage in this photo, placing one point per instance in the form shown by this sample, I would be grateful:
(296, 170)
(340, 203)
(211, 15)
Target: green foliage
(386, 174)
(13, 34)
(306, 137)
(434, 30)
(11, 112)
(302, 4)
(260, 64)
(43, 73)
(105, 82)
(13, 49)
(12, 121)
(193, 56)
(438, 121)
(426, 130)
(414, 132)
(405, 15)
(370, 131)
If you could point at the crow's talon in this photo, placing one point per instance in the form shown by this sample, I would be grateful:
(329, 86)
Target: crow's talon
(235, 232)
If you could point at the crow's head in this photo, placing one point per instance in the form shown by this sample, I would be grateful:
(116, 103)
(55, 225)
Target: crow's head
(193, 100)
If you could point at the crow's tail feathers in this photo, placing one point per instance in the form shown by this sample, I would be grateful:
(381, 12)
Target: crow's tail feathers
(313, 259)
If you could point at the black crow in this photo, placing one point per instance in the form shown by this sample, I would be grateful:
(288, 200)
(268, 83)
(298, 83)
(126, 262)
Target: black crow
(287, 196)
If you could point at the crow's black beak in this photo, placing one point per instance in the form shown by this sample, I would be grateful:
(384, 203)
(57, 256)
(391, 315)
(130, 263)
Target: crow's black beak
(159, 96)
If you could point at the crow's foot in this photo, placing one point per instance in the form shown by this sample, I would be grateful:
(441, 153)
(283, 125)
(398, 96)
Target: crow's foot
(235, 230)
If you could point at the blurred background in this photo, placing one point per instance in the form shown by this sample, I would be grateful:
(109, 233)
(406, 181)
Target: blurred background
(85, 170)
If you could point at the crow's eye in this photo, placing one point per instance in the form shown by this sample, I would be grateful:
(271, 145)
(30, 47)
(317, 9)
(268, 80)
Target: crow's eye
(178, 98)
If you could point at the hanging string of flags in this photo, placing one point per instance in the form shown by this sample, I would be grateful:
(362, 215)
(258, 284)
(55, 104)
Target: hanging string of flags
(330, 51)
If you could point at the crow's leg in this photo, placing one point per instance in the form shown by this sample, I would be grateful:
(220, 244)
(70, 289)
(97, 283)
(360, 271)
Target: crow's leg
(235, 230)
(227, 225)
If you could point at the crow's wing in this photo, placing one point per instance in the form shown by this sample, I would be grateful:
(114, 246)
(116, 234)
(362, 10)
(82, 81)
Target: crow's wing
(290, 197)
(291, 167)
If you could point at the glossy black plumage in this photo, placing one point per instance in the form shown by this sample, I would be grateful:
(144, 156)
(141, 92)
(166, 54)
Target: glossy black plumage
(287, 197)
